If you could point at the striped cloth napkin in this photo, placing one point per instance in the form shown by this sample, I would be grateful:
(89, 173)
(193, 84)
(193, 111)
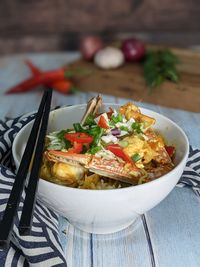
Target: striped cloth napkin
(43, 247)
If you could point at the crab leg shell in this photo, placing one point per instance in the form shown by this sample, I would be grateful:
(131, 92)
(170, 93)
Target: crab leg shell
(108, 168)
(116, 170)
(67, 157)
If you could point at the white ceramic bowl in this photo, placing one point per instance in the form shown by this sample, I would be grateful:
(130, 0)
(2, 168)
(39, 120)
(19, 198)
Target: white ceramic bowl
(106, 211)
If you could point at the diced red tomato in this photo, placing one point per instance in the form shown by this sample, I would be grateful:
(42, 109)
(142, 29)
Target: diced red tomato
(117, 150)
(103, 123)
(82, 138)
(170, 150)
(77, 148)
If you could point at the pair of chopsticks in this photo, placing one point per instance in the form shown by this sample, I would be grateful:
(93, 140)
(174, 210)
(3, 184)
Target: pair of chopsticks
(34, 147)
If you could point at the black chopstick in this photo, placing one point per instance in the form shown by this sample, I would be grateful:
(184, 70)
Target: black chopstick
(6, 223)
(29, 202)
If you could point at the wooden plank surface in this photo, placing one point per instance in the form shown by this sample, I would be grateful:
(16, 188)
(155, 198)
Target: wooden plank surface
(128, 81)
(174, 229)
(173, 225)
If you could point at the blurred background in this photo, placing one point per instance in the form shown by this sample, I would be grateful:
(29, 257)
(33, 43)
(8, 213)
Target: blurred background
(49, 25)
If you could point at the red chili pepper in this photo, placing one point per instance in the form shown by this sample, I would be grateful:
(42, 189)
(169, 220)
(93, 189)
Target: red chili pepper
(170, 150)
(62, 86)
(82, 138)
(103, 123)
(34, 69)
(117, 150)
(77, 148)
(43, 78)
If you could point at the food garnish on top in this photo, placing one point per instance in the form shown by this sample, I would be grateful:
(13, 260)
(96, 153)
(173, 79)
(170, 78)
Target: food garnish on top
(111, 149)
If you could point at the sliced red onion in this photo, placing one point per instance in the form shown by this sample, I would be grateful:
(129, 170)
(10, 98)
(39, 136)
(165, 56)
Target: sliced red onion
(115, 132)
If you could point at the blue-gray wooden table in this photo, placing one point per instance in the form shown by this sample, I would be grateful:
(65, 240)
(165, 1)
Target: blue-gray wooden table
(170, 234)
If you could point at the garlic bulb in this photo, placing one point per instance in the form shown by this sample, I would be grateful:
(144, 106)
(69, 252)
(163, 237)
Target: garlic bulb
(109, 58)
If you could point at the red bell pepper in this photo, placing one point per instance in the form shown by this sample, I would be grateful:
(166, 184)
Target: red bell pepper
(77, 148)
(118, 151)
(170, 150)
(82, 138)
(103, 123)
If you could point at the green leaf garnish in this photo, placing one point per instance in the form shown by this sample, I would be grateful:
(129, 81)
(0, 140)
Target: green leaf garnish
(160, 66)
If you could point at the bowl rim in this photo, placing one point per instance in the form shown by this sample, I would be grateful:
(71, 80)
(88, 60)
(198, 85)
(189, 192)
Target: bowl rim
(110, 189)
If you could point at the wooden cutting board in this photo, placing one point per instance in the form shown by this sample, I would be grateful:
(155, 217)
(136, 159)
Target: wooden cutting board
(128, 82)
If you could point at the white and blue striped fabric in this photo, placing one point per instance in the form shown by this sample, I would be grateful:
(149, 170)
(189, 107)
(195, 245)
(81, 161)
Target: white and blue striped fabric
(191, 174)
(43, 247)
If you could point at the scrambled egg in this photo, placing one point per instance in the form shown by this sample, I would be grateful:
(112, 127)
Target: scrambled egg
(141, 147)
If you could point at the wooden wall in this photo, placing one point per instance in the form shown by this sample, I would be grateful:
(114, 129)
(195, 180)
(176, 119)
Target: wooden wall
(45, 25)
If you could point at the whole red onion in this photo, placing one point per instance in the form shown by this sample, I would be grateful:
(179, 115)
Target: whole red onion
(133, 49)
(90, 45)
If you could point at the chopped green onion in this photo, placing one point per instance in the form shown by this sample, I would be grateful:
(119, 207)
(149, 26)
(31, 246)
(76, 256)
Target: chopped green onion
(111, 124)
(135, 157)
(97, 136)
(136, 126)
(93, 130)
(123, 128)
(78, 128)
(94, 150)
(118, 118)
(123, 143)
(61, 133)
(90, 120)
(55, 147)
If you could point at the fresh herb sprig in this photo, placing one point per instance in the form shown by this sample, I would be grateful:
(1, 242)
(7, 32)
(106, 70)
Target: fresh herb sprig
(160, 66)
